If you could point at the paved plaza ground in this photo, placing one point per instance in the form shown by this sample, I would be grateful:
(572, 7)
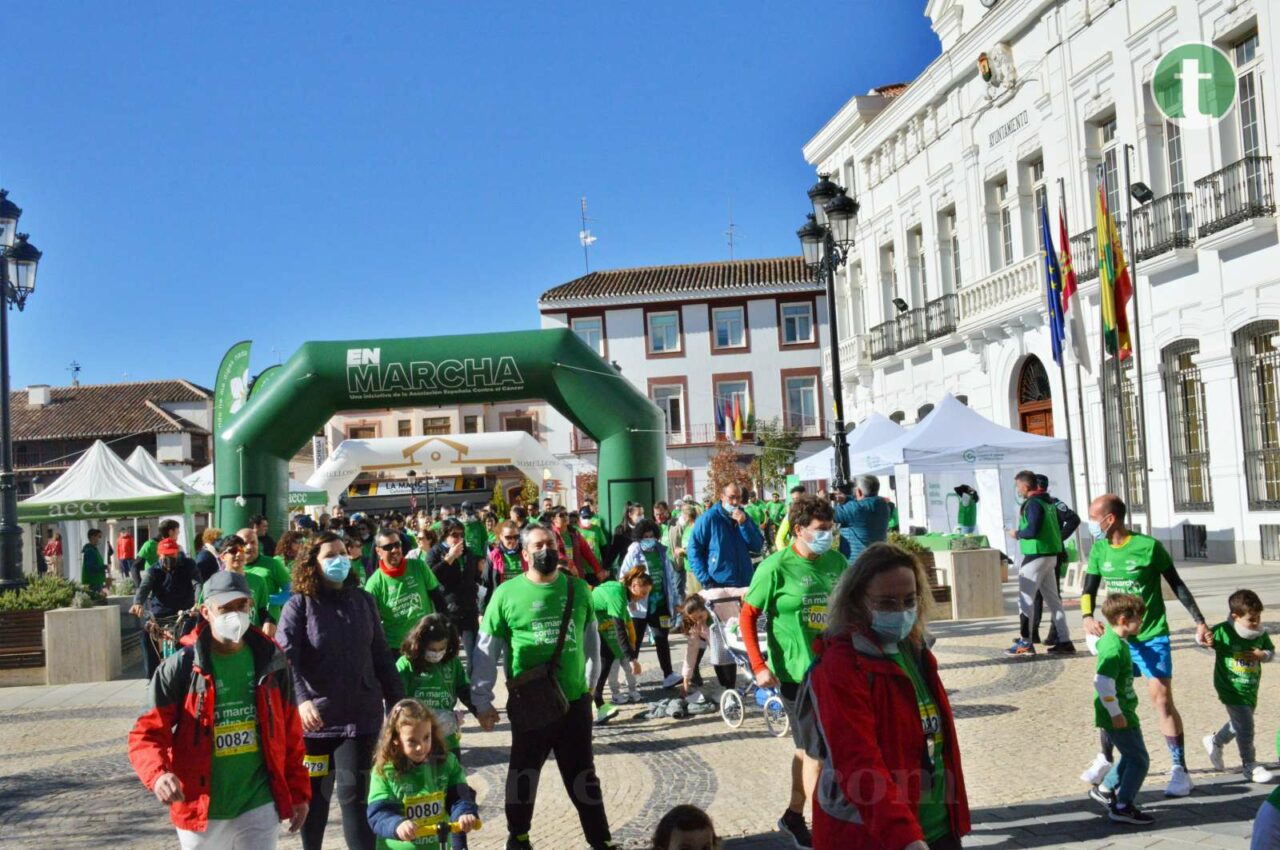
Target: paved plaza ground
(1025, 728)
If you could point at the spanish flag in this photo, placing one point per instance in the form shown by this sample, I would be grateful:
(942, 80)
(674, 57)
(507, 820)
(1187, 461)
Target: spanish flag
(1116, 288)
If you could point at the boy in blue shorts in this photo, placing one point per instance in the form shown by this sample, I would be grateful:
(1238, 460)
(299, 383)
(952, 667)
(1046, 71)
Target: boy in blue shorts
(1133, 563)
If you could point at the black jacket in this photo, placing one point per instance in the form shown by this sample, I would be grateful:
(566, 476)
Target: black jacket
(166, 593)
(460, 582)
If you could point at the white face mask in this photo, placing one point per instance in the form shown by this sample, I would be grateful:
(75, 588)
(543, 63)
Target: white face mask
(231, 626)
(433, 657)
(1246, 632)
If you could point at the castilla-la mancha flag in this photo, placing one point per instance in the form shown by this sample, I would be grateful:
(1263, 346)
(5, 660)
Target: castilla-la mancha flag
(1116, 288)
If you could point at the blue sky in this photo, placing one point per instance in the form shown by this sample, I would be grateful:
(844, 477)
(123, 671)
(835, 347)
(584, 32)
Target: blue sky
(202, 173)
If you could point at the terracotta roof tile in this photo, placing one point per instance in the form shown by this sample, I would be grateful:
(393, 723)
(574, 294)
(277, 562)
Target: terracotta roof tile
(694, 277)
(103, 410)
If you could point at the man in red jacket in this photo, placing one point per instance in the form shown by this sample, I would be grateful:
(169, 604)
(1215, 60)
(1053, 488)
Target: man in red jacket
(221, 741)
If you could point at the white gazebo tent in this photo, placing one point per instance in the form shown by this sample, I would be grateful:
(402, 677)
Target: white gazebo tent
(438, 454)
(98, 486)
(956, 445)
(875, 430)
(142, 462)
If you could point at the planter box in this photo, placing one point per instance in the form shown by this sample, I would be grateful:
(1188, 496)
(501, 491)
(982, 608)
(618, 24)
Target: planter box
(82, 645)
(21, 639)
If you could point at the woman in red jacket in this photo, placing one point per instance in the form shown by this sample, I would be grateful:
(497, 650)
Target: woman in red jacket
(891, 776)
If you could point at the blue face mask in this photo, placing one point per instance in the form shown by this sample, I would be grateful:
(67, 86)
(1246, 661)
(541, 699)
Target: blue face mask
(648, 543)
(337, 568)
(893, 626)
(1095, 529)
(821, 542)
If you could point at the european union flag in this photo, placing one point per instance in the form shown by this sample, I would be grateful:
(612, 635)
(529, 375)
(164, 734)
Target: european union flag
(1052, 288)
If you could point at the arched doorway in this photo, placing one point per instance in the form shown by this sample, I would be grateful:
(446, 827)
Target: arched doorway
(1035, 405)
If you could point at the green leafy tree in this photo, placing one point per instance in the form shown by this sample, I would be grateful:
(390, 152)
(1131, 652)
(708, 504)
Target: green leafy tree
(499, 500)
(529, 493)
(779, 447)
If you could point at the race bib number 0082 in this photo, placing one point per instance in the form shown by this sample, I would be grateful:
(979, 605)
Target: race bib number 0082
(233, 739)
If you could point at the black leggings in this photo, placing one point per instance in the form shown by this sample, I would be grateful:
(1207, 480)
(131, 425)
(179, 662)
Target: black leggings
(660, 641)
(570, 739)
(606, 662)
(726, 674)
(350, 760)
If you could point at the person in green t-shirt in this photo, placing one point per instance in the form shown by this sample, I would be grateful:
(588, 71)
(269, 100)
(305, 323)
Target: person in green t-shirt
(148, 554)
(404, 588)
(967, 509)
(232, 557)
(1115, 710)
(269, 568)
(93, 571)
(594, 535)
(612, 603)
(417, 785)
(522, 624)
(791, 589)
(1241, 648)
(1134, 563)
(432, 672)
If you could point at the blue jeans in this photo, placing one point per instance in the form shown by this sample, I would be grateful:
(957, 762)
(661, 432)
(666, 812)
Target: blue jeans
(1130, 769)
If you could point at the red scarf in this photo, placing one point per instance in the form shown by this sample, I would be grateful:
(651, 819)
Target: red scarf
(394, 572)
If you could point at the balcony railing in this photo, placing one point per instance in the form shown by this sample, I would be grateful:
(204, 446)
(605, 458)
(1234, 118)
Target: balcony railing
(910, 328)
(942, 315)
(1011, 284)
(1084, 255)
(1162, 225)
(1237, 193)
(582, 443)
(884, 340)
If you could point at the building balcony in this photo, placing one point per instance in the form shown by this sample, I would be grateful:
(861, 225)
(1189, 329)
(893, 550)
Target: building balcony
(883, 340)
(582, 444)
(1007, 293)
(1166, 224)
(942, 316)
(854, 358)
(911, 330)
(1237, 194)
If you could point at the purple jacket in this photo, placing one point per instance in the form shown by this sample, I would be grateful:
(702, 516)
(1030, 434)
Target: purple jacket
(338, 652)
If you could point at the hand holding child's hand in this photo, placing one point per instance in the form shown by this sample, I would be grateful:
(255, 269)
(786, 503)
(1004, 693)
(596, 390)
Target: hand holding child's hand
(1259, 655)
(466, 823)
(1118, 722)
(407, 830)
(488, 719)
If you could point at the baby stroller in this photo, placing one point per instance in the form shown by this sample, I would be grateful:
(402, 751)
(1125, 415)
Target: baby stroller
(724, 632)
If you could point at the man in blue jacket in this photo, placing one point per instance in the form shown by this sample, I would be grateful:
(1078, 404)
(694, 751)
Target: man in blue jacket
(723, 539)
(864, 518)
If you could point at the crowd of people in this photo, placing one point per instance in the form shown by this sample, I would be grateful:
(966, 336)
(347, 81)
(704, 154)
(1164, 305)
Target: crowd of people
(343, 659)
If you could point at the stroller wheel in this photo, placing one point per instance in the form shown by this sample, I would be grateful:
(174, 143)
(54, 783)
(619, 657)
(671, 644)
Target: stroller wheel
(731, 710)
(775, 717)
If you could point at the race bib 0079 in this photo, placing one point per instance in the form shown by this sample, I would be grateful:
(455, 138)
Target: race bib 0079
(317, 766)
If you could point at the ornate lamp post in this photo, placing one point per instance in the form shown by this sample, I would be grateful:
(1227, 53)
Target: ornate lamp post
(825, 241)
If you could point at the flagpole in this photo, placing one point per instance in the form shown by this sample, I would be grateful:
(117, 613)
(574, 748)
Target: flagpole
(1102, 347)
(1137, 349)
(1084, 431)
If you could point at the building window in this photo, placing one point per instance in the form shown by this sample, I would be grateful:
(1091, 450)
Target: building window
(727, 394)
(1188, 430)
(1110, 163)
(1250, 96)
(670, 398)
(963, 399)
(1257, 361)
(1173, 153)
(520, 422)
(797, 323)
(1040, 205)
(664, 333)
(949, 243)
(802, 405)
(730, 327)
(888, 281)
(1115, 463)
(919, 263)
(436, 425)
(362, 432)
(898, 416)
(591, 331)
(471, 424)
(404, 428)
(923, 411)
(1001, 218)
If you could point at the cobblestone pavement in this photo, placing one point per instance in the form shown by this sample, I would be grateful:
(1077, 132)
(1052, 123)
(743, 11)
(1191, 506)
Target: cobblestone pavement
(1025, 727)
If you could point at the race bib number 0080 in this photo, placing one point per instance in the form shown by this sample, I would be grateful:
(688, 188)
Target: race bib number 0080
(233, 739)
(425, 810)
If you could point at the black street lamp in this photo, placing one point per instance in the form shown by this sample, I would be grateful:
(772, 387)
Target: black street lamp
(825, 241)
(18, 281)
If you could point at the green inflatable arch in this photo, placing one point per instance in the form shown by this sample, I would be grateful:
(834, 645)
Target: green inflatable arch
(321, 378)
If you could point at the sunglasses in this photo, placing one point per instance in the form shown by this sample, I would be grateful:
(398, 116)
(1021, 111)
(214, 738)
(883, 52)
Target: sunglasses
(512, 538)
(390, 547)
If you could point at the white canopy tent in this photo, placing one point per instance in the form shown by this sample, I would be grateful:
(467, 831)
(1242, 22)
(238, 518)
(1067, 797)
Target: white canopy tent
(438, 454)
(300, 495)
(875, 430)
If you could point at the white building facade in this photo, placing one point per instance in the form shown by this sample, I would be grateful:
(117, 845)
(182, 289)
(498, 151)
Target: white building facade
(951, 172)
(695, 338)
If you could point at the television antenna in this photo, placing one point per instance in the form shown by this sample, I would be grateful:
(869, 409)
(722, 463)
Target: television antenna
(731, 233)
(585, 237)
(74, 369)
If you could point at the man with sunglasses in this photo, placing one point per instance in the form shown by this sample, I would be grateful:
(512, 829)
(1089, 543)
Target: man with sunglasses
(404, 588)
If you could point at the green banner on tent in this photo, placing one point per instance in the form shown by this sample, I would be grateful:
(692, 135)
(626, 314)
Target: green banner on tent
(231, 387)
(102, 508)
(308, 499)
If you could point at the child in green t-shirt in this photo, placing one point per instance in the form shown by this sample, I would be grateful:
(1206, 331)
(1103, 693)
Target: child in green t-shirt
(1116, 710)
(1241, 647)
(433, 674)
(417, 785)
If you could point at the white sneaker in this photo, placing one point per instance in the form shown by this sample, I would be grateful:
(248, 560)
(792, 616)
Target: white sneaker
(698, 698)
(1212, 747)
(1096, 772)
(634, 697)
(1180, 784)
(672, 680)
(1257, 773)
(620, 698)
